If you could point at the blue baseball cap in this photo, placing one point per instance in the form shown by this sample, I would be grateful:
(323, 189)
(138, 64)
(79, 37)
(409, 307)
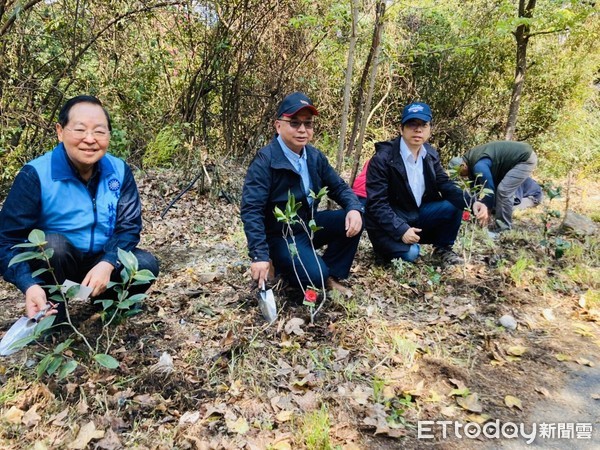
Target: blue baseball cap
(293, 103)
(416, 110)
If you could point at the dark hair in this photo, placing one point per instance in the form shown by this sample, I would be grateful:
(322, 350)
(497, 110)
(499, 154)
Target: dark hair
(63, 115)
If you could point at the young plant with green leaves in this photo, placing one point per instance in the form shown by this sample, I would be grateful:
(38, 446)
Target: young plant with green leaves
(559, 244)
(471, 189)
(292, 220)
(60, 359)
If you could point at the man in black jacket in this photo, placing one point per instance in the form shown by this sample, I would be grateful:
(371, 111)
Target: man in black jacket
(289, 165)
(410, 199)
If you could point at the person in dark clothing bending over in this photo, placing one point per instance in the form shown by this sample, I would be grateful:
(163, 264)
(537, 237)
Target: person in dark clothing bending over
(501, 166)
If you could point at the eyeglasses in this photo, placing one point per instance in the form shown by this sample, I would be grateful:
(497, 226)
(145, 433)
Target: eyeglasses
(99, 135)
(295, 123)
(413, 125)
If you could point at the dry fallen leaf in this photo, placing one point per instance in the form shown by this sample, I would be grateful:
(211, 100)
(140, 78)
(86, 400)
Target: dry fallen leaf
(293, 326)
(86, 433)
(110, 441)
(239, 426)
(584, 362)
(31, 418)
(58, 419)
(449, 411)
(548, 314)
(562, 357)
(458, 383)
(543, 391)
(511, 401)
(516, 350)
(470, 403)
(284, 416)
(13, 415)
(189, 417)
(479, 418)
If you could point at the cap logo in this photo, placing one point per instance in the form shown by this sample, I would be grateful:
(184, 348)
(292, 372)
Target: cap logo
(304, 102)
(415, 108)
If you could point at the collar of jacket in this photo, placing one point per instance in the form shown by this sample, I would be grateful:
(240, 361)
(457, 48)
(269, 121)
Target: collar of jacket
(62, 170)
(280, 161)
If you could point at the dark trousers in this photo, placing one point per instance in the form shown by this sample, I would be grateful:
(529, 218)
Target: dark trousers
(439, 222)
(69, 263)
(335, 262)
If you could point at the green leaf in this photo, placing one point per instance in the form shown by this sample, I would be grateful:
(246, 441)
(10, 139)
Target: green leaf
(279, 215)
(25, 256)
(21, 343)
(39, 272)
(66, 369)
(24, 245)
(105, 303)
(44, 324)
(48, 253)
(128, 260)
(57, 360)
(106, 361)
(37, 237)
(144, 275)
(43, 365)
(62, 346)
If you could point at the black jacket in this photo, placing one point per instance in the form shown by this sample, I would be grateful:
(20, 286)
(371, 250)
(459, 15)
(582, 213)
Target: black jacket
(269, 178)
(391, 206)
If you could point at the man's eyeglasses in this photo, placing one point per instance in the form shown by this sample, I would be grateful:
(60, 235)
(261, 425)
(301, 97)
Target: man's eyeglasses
(295, 123)
(99, 135)
(413, 124)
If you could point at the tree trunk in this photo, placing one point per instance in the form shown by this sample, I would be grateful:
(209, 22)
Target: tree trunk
(375, 47)
(347, 88)
(522, 38)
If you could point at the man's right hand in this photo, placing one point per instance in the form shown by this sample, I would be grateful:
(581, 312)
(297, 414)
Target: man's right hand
(35, 301)
(411, 236)
(260, 271)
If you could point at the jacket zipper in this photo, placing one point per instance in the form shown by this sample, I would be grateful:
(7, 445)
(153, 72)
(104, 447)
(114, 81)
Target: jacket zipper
(94, 224)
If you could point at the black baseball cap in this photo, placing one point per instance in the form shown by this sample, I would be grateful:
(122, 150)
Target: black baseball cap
(293, 103)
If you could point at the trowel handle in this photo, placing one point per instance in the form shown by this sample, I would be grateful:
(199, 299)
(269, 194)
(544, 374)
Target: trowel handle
(42, 313)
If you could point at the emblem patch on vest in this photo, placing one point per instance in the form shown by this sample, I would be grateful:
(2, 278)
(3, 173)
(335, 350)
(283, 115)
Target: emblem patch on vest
(114, 185)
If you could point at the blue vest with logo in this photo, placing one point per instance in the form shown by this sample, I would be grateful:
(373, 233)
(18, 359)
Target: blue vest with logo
(67, 206)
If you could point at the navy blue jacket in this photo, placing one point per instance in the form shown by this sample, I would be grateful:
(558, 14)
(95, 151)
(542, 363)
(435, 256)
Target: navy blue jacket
(22, 209)
(391, 205)
(269, 178)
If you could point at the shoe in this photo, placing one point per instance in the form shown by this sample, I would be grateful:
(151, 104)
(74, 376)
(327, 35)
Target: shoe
(447, 256)
(333, 285)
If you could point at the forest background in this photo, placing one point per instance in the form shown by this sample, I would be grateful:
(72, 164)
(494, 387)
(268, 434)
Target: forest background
(195, 84)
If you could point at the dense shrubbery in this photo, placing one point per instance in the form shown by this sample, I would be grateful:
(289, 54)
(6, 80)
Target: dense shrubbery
(221, 67)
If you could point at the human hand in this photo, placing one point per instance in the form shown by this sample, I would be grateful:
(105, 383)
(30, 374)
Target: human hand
(35, 301)
(481, 213)
(353, 223)
(98, 277)
(260, 271)
(411, 236)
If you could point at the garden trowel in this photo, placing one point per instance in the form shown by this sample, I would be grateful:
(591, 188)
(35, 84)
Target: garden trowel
(266, 301)
(22, 328)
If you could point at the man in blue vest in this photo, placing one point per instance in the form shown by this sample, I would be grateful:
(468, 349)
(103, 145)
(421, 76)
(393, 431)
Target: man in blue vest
(86, 202)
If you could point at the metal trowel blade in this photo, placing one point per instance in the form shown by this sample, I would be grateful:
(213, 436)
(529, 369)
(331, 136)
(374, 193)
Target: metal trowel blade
(22, 328)
(267, 304)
